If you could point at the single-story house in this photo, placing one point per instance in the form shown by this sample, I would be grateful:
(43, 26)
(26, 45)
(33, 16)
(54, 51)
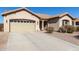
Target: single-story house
(24, 20)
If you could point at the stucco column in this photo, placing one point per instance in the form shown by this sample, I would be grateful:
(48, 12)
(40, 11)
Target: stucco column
(70, 22)
(37, 26)
(42, 24)
(74, 23)
(60, 23)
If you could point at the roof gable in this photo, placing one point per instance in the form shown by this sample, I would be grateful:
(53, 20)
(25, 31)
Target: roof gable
(18, 10)
(61, 15)
(66, 15)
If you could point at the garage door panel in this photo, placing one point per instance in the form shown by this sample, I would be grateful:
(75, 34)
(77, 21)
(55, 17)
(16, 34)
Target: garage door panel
(22, 27)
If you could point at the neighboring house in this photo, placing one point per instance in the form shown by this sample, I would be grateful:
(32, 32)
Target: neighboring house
(24, 20)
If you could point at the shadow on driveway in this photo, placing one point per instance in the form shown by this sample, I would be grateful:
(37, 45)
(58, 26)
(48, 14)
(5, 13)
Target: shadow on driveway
(77, 37)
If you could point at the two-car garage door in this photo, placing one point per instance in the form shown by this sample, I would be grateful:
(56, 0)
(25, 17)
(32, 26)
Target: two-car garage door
(22, 25)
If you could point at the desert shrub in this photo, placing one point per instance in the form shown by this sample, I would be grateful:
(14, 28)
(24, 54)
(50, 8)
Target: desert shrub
(49, 29)
(77, 28)
(62, 29)
(1, 27)
(67, 29)
(70, 29)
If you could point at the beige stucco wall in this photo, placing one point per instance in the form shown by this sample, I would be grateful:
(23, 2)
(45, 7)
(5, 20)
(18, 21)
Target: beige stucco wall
(65, 18)
(54, 23)
(20, 15)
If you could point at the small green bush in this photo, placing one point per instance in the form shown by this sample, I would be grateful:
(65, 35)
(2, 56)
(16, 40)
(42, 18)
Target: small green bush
(66, 29)
(49, 29)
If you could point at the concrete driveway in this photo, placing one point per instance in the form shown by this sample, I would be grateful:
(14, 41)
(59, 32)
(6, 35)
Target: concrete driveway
(37, 41)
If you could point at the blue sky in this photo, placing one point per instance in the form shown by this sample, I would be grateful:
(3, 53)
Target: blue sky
(74, 11)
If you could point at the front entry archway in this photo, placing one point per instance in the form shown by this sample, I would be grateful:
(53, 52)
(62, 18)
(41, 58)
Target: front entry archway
(43, 24)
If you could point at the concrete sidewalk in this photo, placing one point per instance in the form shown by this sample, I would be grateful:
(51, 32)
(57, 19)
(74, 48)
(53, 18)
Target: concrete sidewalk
(37, 41)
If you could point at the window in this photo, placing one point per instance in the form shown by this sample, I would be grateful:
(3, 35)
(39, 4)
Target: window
(18, 21)
(6, 21)
(77, 23)
(24, 21)
(33, 21)
(21, 21)
(27, 21)
(10, 20)
(65, 22)
(15, 21)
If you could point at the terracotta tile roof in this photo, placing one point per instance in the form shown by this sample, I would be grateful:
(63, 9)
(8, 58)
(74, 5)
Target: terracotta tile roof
(63, 14)
(40, 16)
(43, 16)
(76, 19)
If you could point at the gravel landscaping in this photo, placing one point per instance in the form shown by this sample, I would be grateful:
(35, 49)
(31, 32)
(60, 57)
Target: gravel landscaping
(3, 40)
(70, 37)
